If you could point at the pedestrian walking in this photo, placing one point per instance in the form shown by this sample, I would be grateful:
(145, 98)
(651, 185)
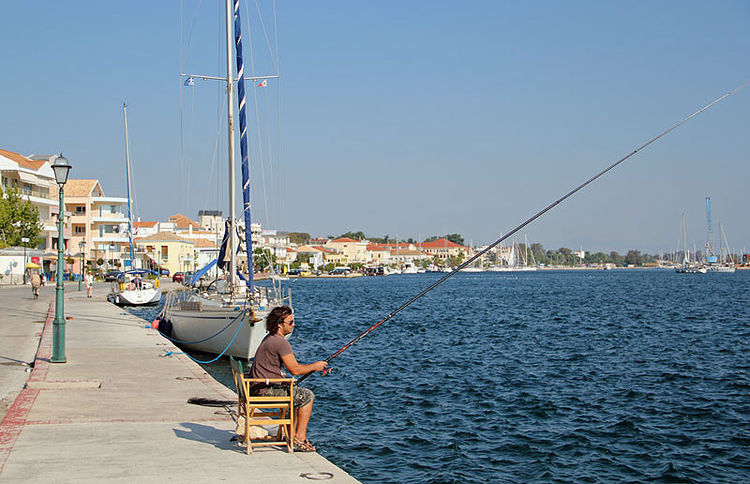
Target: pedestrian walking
(89, 285)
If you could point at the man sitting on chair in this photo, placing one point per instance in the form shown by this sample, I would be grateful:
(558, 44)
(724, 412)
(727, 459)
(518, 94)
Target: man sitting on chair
(275, 351)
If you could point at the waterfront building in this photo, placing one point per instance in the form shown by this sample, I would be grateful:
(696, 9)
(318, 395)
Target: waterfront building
(443, 249)
(406, 256)
(314, 255)
(169, 251)
(35, 182)
(354, 250)
(144, 229)
(205, 252)
(99, 220)
(211, 220)
(378, 255)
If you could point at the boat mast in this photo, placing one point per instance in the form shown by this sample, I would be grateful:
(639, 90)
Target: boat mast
(230, 133)
(685, 259)
(127, 179)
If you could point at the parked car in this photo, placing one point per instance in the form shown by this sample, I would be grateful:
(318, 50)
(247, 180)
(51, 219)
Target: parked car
(165, 272)
(340, 271)
(294, 272)
(114, 276)
(178, 277)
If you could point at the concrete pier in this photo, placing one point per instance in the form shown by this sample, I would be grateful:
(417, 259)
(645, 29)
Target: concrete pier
(117, 410)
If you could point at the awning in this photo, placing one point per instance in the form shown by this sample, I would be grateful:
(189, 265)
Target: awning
(31, 265)
(31, 178)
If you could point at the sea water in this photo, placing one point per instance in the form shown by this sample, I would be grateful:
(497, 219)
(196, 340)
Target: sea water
(581, 376)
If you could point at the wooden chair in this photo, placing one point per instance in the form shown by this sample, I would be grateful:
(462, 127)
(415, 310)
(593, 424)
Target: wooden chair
(264, 410)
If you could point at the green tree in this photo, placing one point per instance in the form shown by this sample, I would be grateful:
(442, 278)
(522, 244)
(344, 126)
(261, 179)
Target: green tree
(263, 259)
(537, 251)
(18, 218)
(456, 260)
(616, 258)
(354, 235)
(455, 238)
(299, 238)
(634, 257)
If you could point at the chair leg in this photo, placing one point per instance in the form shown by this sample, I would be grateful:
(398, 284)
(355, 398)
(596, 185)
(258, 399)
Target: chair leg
(248, 440)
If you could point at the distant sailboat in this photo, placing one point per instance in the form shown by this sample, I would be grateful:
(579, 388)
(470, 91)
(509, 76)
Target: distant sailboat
(688, 266)
(136, 289)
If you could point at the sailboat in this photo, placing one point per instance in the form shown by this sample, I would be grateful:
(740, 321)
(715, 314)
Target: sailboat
(516, 261)
(725, 262)
(223, 317)
(688, 267)
(136, 289)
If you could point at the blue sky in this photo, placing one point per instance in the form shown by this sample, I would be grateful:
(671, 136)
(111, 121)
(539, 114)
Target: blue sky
(403, 118)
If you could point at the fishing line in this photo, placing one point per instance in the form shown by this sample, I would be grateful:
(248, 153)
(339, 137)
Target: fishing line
(519, 227)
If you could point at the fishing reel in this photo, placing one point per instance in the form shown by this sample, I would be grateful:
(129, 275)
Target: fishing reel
(326, 371)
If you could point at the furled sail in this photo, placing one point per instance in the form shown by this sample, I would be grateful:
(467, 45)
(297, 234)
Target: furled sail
(243, 142)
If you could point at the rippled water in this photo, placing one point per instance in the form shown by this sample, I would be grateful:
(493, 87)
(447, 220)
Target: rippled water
(626, 375)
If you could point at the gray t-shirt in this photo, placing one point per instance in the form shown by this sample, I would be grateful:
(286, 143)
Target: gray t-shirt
(267, 362)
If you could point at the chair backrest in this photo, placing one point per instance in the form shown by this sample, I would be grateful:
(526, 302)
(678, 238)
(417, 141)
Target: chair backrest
(237, 374)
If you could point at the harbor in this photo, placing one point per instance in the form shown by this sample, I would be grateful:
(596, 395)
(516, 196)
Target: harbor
(117, 410)
(388, 243)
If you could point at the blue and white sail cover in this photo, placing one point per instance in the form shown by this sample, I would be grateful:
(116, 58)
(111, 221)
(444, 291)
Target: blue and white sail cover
(243, 141)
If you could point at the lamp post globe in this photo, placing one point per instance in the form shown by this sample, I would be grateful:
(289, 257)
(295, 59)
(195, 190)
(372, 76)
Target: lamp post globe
(61, 168)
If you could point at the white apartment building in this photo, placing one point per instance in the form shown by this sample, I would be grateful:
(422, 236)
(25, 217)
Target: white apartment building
(98, 220)
(35, 182)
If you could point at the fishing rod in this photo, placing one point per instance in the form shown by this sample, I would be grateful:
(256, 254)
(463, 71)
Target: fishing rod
(519, 227)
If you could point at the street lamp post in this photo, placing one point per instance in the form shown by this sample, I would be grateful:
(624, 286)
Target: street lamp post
(61, 167)
(24, 241)
(82, 247)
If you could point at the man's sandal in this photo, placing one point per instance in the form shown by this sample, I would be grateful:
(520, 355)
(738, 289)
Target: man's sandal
(303, 446)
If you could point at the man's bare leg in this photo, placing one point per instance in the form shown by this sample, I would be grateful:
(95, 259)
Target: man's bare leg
(301, 420)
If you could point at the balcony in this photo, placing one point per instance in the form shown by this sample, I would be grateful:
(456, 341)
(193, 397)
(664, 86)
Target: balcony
(112, 218)
(111, 238)
(110, 200)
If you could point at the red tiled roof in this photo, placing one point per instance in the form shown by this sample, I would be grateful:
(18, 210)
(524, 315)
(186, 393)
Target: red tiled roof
(343, 239)
(22, 160)
(439, 244)
(80, 188)
(163, 237)
(373, 247)
(203, 243)
(144, 224)
(183, 222)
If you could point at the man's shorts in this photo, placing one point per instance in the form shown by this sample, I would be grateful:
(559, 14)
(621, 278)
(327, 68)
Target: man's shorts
(302, 396)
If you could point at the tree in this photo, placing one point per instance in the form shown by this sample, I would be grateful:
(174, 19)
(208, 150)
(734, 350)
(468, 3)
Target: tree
(263, 259)
(455, 238)
(537, 250)
(18, 218)
(634, 257)
(354, 235)
(299, 238)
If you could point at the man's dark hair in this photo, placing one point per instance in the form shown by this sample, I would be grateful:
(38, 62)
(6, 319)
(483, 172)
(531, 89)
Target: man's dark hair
(276, 318)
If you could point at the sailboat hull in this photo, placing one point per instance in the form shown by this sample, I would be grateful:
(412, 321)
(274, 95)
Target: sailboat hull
(143, 297)
(212, 329)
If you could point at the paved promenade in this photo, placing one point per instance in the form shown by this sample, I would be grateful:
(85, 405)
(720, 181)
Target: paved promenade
(117, 411)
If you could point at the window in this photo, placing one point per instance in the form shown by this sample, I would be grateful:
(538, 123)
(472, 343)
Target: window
(80, 209)
(79, 229)
(164, 252)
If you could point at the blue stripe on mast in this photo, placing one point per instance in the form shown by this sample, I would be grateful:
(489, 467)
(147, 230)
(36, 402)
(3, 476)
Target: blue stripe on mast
(243, 142)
